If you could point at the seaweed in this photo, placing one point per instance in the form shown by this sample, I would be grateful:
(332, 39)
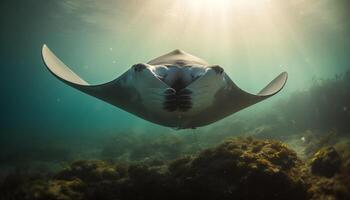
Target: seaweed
(324, 106)
(326, 162)
(243, 168)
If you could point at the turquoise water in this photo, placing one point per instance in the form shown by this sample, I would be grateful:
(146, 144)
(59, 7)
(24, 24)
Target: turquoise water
(99, 40)
(59, 143)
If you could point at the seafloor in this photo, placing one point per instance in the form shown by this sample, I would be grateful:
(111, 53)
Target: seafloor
(300, 149)
(239, 168)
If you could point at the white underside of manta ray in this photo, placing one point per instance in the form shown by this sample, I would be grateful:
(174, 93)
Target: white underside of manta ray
(176, 90)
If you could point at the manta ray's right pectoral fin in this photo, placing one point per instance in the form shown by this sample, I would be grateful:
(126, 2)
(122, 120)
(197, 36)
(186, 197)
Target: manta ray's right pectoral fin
(274, 86)
(241, 99)
(115, 92)
(231, 99)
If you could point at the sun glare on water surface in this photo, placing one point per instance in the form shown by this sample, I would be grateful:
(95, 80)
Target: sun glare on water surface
(223, 4)
(248, 37)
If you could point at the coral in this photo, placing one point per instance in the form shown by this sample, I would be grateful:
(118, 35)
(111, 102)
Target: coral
(23, 186)
(89, 171)
(326, 162)
(343, 147)
(238, 168)
(241, 169)
(58, 190)
(325, 188)
(332, 166)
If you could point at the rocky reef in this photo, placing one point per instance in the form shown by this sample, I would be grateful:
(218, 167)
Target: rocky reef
(326, 162)
(242, 169)
(331, 171)
(239, 168)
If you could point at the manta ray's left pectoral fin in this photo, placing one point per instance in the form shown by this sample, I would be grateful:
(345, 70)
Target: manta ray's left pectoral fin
(115, 92)
(137, 90)
(59, 69)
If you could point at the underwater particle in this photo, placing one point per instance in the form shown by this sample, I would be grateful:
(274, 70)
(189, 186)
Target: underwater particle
(202, 93)
(307, 60)
(325, 162)
(111, 49)
(114, 61)
(303, 139)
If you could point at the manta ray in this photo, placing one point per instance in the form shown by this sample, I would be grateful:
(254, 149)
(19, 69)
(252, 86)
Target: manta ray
(176, 90)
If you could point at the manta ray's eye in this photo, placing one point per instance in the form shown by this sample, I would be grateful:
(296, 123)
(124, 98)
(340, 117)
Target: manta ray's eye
(139, 67)
(217, 69)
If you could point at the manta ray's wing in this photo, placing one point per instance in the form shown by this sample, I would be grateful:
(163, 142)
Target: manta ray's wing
(237, 99)
(215, 96)
(134, 91)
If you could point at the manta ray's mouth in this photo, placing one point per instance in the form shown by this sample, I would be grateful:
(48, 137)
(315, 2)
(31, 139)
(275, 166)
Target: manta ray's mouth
(179, 84)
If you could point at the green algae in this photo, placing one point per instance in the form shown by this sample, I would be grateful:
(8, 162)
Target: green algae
(242, 168)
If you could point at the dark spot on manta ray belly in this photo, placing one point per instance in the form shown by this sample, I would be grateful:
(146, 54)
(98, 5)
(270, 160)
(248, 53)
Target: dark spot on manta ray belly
(177, 100)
